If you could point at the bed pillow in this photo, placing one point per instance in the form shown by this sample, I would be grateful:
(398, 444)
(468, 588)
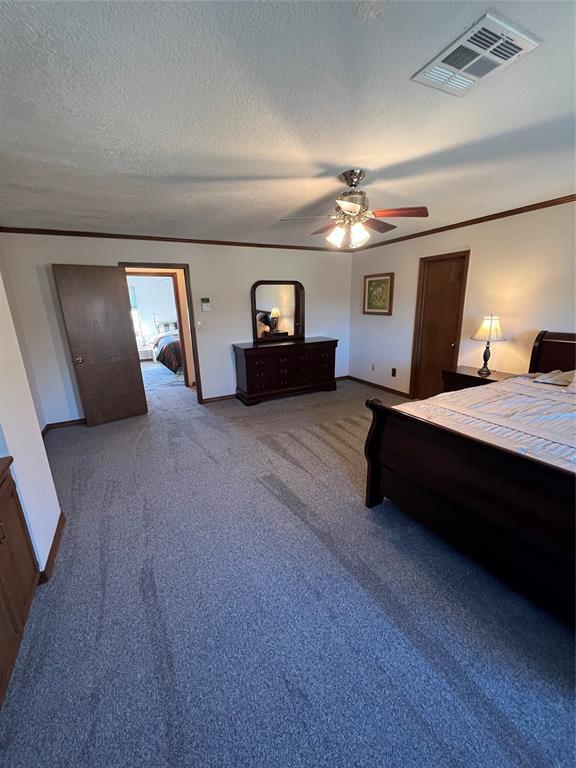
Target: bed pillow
(559, 378)
(571, 388)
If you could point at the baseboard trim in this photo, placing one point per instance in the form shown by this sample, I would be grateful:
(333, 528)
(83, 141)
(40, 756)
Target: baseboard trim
(338, 378)
(49, 567)
(217, 399)
(60, 424)
(377, 386)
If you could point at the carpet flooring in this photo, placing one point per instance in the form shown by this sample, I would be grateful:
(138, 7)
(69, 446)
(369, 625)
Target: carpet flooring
(222, 598)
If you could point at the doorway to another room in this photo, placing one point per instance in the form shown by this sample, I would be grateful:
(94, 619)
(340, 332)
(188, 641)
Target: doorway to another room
(162, 326)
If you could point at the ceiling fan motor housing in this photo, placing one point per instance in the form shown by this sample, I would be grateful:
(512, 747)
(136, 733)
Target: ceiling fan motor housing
(352, 177)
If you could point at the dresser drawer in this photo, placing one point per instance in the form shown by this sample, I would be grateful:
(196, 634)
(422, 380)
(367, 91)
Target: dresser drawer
(18, 569)
(18, 572)
(270, 372)
(276, 370)
(9, 639)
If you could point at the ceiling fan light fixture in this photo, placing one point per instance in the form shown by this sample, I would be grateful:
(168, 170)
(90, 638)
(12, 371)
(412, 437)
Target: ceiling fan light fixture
(353, 219)
(358, 235)
(336, 237)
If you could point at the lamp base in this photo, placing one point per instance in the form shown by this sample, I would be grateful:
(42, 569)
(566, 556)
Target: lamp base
(485, 371)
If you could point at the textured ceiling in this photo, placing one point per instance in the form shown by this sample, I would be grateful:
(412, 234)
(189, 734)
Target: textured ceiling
(216, 119)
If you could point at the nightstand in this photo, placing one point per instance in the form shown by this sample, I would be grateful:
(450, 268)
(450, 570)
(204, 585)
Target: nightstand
(466, 376)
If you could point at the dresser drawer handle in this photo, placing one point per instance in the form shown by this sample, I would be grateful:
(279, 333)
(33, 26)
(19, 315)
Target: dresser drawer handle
(2, 534)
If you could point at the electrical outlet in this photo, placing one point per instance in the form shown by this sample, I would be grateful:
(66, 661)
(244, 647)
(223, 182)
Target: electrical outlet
(373, 367)
(393, 371)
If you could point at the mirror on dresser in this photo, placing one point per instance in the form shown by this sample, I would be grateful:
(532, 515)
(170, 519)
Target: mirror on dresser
(277, 311)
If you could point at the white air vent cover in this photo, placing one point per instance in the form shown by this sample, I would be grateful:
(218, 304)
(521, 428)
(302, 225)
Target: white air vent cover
(487, 47)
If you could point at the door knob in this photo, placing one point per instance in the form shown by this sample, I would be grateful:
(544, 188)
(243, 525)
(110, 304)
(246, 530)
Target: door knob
(453, 346)
(79, 360)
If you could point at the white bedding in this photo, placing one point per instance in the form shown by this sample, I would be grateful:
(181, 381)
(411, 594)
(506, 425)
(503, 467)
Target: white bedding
(535, 419)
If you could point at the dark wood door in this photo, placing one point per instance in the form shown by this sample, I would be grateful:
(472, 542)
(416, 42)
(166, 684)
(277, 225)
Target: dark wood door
(438, 322)
(96, 309)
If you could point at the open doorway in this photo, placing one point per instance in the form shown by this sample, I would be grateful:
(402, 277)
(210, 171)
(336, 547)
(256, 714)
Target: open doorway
(163, 326)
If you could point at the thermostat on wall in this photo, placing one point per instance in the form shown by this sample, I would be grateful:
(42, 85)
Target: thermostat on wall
(205, 304)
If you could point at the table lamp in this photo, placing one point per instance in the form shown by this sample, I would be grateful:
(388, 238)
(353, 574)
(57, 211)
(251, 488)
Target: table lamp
(274, 315)
(488, 330)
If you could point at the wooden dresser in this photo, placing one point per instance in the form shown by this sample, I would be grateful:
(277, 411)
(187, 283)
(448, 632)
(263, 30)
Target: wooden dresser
(266, 371)
(18, 573)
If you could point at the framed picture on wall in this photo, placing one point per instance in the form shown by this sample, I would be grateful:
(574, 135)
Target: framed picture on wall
(378, 294)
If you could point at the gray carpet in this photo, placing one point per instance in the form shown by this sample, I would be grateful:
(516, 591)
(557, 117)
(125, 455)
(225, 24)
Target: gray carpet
(223, 598)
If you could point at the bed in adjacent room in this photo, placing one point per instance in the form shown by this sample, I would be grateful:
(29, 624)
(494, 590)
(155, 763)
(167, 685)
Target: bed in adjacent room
(168, 351)
(492, 468)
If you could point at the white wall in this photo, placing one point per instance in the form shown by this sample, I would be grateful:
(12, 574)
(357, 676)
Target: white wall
(521, 268)
(21, 439)
(225, 274)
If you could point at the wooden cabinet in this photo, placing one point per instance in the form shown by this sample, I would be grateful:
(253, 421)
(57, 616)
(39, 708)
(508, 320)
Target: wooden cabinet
(465, 376)
(18, 573)
(288, 368)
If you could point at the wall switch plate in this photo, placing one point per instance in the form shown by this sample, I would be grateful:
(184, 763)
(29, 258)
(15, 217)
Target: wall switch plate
(205, 304)
(393, 371)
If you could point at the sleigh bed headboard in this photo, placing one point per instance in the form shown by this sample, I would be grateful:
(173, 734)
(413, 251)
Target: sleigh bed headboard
(553, 351)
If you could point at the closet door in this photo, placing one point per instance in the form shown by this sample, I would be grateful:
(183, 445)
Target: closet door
(96, 310)
(438, 322)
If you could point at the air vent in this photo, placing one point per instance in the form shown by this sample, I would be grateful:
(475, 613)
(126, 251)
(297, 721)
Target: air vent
(488, 47)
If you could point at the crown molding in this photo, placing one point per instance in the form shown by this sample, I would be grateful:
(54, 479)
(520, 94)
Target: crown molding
(160, 239)
(235, 244)
(472, 222)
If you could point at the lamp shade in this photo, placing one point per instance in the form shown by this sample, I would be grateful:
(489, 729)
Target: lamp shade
(489, 329)
(275, 312)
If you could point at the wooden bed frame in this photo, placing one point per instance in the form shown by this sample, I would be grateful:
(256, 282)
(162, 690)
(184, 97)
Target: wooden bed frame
(513, 513)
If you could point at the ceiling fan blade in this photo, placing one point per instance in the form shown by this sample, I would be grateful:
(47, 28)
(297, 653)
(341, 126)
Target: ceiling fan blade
(320, 207)
(321, 231)
(348, 207)
(379, 226)
(389, 212)
(301, 218)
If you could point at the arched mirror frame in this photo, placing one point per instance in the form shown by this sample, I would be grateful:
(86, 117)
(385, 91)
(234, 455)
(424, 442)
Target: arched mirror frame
(299, 296)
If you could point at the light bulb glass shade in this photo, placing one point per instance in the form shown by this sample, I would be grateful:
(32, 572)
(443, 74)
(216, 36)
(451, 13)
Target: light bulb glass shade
(489, 329)
(274, 312)
(336, 236)
(358, 235)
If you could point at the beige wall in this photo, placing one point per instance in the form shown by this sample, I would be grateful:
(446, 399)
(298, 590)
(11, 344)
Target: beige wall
(225, 274)
(521, 268)
(23, 440)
